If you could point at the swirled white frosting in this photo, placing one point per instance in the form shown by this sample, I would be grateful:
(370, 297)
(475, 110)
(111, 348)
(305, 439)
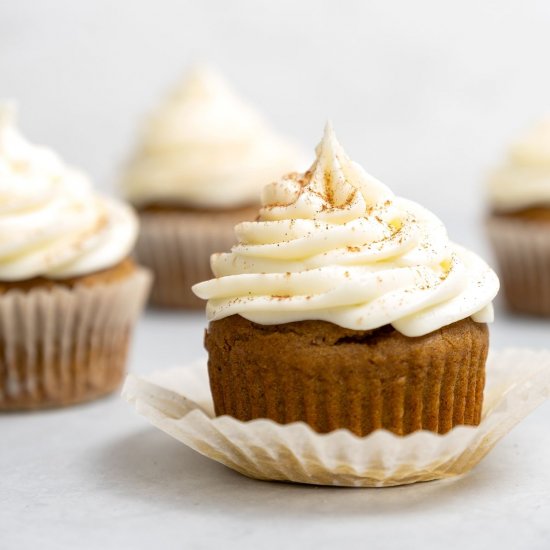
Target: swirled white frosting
(52, 224)
(335, 244)
(206, 148)
(523, 180)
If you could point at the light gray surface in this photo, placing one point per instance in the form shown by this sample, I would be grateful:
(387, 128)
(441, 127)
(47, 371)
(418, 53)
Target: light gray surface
(426, 95)
(98, 476)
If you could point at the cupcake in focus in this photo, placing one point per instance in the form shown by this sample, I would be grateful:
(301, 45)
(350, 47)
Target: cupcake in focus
(69, 292)
(199, 169)
(344, 306)
(519, 221)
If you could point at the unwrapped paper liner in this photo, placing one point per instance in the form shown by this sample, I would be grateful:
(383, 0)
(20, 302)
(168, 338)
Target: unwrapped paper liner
(60, 345)
(178, 402)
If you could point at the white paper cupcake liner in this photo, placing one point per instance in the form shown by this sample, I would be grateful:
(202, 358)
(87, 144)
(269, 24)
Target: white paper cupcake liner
(63, 345)
(177, 248)
(522, 250)
(178, 402)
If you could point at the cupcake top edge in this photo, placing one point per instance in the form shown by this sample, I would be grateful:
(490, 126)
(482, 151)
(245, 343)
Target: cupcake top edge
(52, 223)
(335, 244)
(204, 147)
(523, 180)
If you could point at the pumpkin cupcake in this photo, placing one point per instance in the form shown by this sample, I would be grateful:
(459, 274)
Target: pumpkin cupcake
(344, 306)
(69, 293)
(519, 221)
(199, 169)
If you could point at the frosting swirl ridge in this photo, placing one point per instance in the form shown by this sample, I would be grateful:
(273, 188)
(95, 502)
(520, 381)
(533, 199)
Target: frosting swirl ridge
(52, 223)
(336, 244)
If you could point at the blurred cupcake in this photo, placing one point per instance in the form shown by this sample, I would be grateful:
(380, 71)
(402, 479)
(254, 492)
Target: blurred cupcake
(69, 294)
(344, 306)
(519, 221)
(199, 170)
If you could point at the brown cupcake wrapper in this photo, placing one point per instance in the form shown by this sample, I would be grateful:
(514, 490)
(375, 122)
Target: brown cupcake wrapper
(61, 346)
(177, 249)
(435, 388)
(522, 250)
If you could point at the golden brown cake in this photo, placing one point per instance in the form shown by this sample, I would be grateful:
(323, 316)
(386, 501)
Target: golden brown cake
(116, 273)
(332, 377)
(344, 306)
(69, 295)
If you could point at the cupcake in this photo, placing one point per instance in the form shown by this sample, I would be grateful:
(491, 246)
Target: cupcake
(344, 306)
(519, 221)
(203, 160)
(69, 293)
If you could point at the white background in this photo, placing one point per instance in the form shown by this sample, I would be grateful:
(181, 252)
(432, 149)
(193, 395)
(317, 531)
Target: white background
(426, 95)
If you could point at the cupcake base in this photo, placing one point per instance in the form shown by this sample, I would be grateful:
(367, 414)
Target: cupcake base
(178, 402)
(521, 242)
(331, 377)
(176, 244)
(65, 378)
(65, 342)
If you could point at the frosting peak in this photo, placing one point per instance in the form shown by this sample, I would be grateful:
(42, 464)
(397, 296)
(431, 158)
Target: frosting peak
(201, 81)
(335, 244)
(334, 188)
(52, 224)
(205, 147)
(523, 180)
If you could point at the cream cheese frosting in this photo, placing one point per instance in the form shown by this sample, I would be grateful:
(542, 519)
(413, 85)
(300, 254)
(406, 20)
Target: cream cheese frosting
(206, 148)
(335, 244)
(52, 223)
(524, 179)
